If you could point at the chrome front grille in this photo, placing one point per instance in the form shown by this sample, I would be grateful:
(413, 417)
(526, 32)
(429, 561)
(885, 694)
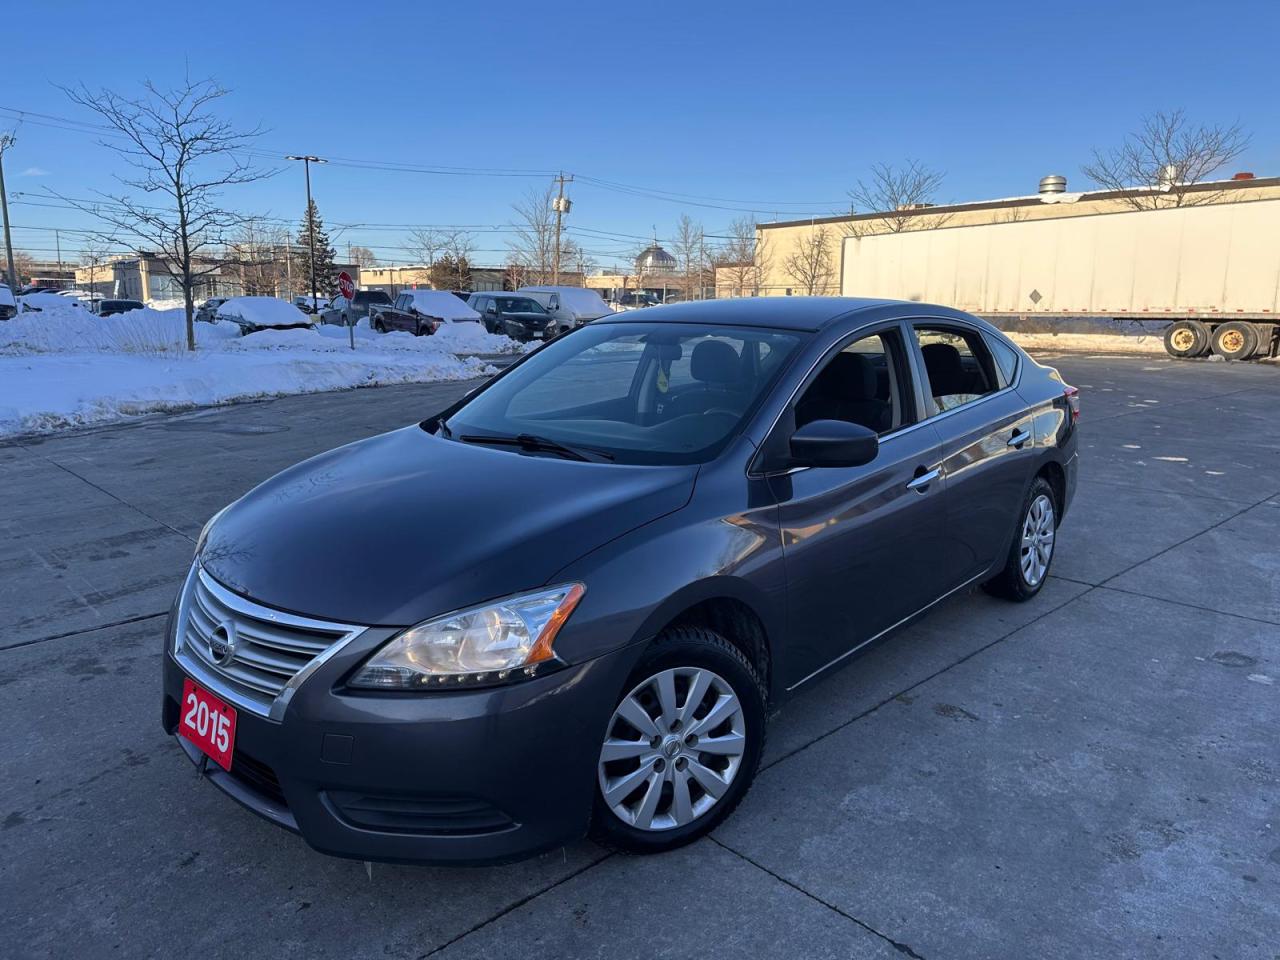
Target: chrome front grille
(253, 655)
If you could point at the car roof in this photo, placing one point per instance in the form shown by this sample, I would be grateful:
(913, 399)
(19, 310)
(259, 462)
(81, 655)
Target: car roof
(790, 313)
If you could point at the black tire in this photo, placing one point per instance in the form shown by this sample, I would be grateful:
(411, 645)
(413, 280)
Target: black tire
(1235, 340)
(1012, 582)
(690, 648)
(1186, 338)
(379, 327)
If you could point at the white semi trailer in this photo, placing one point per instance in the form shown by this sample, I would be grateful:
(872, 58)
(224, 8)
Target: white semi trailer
(1212, 270)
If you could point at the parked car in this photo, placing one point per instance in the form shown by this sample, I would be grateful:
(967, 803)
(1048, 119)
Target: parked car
(421, 312)
(252, 314)
(570, 307)
(306, 304)
(761, 489)
(48, 300)
(349, 312)
(8, 303)
(208, 311)
(107, 308)
(517, 316)
(634, 301)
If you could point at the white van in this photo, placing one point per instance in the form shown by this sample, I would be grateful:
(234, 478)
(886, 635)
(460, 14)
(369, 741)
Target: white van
(570, 307)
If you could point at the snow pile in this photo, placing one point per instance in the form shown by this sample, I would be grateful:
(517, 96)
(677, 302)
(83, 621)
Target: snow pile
(67, 367)
(262, 312)
(49, 301)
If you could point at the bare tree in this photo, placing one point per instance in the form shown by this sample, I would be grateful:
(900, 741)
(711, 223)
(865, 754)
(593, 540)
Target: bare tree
(1159, 164)
(362, 256)
(895, 196)
(533, 247)
(744, 258)
(94, 256)
(426, 245)
(812, 264)
(24, 265)
(182, 152)
(255, 252)
(690, 248)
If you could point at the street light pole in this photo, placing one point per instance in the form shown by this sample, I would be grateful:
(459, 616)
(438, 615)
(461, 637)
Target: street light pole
(6, 141)
(307, 161)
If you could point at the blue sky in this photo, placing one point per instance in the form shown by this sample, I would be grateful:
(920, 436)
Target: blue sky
(775, 108)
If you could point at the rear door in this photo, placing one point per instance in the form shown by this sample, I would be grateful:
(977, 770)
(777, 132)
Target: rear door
(988, 449)
(861, 543)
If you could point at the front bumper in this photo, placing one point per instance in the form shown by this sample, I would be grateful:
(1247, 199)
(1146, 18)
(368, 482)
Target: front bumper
(468, 776)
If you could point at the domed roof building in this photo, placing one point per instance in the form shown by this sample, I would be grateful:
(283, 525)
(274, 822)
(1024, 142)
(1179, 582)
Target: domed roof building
(653, 259)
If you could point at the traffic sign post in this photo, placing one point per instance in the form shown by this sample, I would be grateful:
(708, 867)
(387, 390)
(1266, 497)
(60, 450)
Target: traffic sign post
(347, 287)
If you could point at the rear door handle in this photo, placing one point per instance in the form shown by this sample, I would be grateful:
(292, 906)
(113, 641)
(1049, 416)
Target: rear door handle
(1019, 438)
(920, 483)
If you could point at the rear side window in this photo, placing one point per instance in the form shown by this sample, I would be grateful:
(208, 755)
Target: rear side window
(958, 366)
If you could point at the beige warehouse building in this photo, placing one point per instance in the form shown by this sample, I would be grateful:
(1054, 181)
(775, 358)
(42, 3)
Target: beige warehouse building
(788, 261)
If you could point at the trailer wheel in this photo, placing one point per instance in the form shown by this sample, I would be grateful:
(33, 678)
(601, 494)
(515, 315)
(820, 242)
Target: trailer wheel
(1186, 338)
(1235, 340)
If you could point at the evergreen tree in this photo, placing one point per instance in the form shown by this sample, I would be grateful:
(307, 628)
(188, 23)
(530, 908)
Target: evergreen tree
(451, 273)
(326, 272)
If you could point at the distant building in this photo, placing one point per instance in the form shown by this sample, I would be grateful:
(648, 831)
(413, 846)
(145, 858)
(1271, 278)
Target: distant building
(392, 279)
(143, 276)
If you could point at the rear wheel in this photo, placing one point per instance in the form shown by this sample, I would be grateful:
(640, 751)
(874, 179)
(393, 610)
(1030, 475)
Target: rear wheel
(1235, 340)
(1186, 338)
(682, 746)
(1031, 553)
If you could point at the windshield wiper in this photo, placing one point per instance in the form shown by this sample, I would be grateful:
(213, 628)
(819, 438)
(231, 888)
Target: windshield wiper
(533, 443)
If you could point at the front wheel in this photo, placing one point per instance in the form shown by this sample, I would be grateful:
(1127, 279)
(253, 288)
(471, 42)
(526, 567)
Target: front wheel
(1030, 555)
(682, 746)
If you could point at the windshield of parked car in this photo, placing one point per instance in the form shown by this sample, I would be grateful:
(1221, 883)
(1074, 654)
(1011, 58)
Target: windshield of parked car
(519, 305)
(651, 393)
(371, 296)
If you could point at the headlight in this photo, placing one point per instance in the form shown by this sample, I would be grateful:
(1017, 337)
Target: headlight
(491, 643)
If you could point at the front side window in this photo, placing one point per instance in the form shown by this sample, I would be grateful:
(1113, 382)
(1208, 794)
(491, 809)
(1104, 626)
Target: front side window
(647, 393)
(958, 368)
(864, 383)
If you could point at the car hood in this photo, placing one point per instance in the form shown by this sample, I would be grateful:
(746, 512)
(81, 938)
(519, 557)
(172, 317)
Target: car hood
(406, 526)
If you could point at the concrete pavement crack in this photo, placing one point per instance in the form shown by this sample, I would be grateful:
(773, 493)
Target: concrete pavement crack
(102, 489)
(896, 944)
(514, 906)
(76, 633)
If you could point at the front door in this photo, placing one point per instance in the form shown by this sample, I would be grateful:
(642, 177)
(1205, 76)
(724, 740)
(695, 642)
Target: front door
(861, 544)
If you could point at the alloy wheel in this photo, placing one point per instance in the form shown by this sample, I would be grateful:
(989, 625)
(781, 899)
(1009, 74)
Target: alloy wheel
(672, 749)
(1037, 540)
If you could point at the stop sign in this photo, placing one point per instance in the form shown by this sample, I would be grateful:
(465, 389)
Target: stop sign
(346, 286)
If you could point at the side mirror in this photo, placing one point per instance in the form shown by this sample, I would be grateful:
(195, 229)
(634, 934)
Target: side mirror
(833, 443)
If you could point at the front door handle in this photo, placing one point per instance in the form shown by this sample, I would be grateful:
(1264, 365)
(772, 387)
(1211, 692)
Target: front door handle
(1019, 438)
(920, 482)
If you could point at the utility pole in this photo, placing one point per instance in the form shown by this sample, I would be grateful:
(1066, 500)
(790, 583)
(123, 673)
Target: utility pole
(7, 141)
(561, 207)
(57, 242)
(307, 161)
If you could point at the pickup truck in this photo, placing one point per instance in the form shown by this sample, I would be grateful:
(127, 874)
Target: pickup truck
(421, 312)
(348, 312)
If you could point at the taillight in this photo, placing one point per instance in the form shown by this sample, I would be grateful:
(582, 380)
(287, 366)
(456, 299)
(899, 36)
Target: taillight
(1072, 395)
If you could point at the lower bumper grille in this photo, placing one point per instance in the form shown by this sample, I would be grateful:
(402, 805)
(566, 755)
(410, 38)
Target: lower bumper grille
(437, 816)
(258, 777)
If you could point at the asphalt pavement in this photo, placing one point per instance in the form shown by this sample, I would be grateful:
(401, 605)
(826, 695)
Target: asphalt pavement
(1095, 773)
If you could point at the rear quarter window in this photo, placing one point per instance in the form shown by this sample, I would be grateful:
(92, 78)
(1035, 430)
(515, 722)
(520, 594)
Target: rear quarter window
(1006, 359)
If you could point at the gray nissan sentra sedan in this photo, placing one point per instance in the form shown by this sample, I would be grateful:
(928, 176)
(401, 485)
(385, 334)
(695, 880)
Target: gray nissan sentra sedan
(567, 603)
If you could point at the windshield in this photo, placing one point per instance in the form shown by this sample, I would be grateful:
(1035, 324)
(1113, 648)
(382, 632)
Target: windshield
(652, 393)
(519, 305)
(371, 296)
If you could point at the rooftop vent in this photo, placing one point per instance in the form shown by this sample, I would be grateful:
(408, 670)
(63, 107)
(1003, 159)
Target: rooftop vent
(1054, 183)
(1243, 175)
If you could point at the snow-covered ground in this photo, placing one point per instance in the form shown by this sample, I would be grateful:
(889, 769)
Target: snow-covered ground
(67, 367)
(1090, 342)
